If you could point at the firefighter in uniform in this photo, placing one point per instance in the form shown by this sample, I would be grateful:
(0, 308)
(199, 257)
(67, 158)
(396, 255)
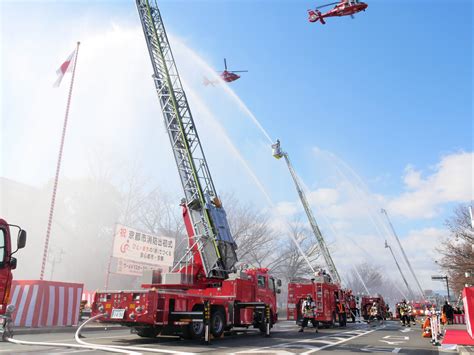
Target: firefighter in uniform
(411, 314)
(404, 313)
(353, 308)
(373, 312)
(341, 310)
(308, 311)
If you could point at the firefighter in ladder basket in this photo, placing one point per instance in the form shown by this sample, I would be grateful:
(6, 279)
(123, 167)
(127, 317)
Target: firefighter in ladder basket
(308, 311)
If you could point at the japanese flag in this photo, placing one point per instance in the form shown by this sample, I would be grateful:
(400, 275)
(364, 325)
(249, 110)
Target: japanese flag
(67, 66)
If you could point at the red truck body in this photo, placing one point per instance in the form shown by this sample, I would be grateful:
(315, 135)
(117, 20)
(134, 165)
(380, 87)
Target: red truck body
(5, 269)
(176, 303)
(324, 294)
(167, 309)
(367, 302)
(7, 262)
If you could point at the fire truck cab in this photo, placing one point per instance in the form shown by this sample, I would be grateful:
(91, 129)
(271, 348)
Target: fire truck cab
(7, 261)
(324, 293)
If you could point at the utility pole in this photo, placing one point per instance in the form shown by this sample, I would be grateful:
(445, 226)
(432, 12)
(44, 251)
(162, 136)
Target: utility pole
(403, 253)
(399, 269)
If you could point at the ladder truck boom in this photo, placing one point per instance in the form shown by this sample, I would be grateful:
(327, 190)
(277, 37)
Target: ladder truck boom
(199, 298)
(213, 245)
(278, 153)
(410, 291)
(383, 211)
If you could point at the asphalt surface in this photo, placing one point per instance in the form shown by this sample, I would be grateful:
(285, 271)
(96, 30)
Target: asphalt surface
(285, 339)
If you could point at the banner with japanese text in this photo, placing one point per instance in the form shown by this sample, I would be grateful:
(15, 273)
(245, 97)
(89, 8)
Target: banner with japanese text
(133, 245)
(127, 267)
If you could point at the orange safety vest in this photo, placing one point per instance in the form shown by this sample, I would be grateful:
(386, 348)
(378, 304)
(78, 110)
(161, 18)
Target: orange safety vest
(426, 327)
(340, 307)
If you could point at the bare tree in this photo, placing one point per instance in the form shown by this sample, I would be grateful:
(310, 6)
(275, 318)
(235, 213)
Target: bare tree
(364, 276)
(288, 262)
(251, 231)
(458, 249)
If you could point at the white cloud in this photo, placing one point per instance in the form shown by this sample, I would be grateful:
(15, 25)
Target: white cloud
(286, 209)
(420, 246)
(412, 178)
(323, 196)
(451, 181)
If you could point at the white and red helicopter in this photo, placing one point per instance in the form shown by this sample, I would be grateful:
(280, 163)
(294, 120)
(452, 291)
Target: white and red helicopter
(341, 8)
(227, 75)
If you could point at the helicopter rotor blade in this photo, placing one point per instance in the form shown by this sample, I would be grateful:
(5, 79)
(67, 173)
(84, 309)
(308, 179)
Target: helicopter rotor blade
(333, 3)
(225, 64)
(238, 71)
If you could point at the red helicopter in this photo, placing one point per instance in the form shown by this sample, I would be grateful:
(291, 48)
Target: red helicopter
(342, 8)
(227, 75)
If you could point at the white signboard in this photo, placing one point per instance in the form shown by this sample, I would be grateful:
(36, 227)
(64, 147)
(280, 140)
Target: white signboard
(127, 267)
(133, 245)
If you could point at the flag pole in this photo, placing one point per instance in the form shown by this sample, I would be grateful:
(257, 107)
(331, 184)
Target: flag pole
(58, 168)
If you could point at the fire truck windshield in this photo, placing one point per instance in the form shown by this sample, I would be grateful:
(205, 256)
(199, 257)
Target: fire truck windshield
(272, 284)
(3, 243)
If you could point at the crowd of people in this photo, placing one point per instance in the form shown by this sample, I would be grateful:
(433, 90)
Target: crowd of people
(404, 311)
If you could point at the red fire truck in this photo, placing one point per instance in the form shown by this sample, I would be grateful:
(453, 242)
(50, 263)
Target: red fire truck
(247, 299)
(367, 302)
(420, 308)
(203, 294)
(7, 261)
(324, 293)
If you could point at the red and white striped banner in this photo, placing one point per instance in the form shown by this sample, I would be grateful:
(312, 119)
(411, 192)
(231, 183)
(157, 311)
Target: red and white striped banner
(459, 319)
(468, 302)
(88, 296)
(45, 303)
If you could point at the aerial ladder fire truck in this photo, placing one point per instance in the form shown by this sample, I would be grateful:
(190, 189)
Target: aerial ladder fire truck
(7, 265)
(325, 289)
(203, 294)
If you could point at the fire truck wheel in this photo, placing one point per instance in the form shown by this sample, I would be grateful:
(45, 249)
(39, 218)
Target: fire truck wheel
(263, 324)
(148, 332)
(217, 323)
(195, 330)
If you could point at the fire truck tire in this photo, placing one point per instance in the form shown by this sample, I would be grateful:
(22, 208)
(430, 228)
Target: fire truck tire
(217, 323)
(195, 330)
(148, 332)
(263, 324)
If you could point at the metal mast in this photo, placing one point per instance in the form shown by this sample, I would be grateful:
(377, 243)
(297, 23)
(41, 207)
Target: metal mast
(211, 230)
(399, 269)
(403, 252)
(278, 153)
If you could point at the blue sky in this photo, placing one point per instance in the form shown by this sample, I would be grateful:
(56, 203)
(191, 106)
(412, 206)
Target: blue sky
(389, 92)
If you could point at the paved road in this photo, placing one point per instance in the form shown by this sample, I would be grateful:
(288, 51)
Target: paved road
(356, 338)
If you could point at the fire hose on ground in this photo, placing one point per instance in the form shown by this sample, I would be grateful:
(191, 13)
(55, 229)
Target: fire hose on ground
(81, 343)
(116, 348)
